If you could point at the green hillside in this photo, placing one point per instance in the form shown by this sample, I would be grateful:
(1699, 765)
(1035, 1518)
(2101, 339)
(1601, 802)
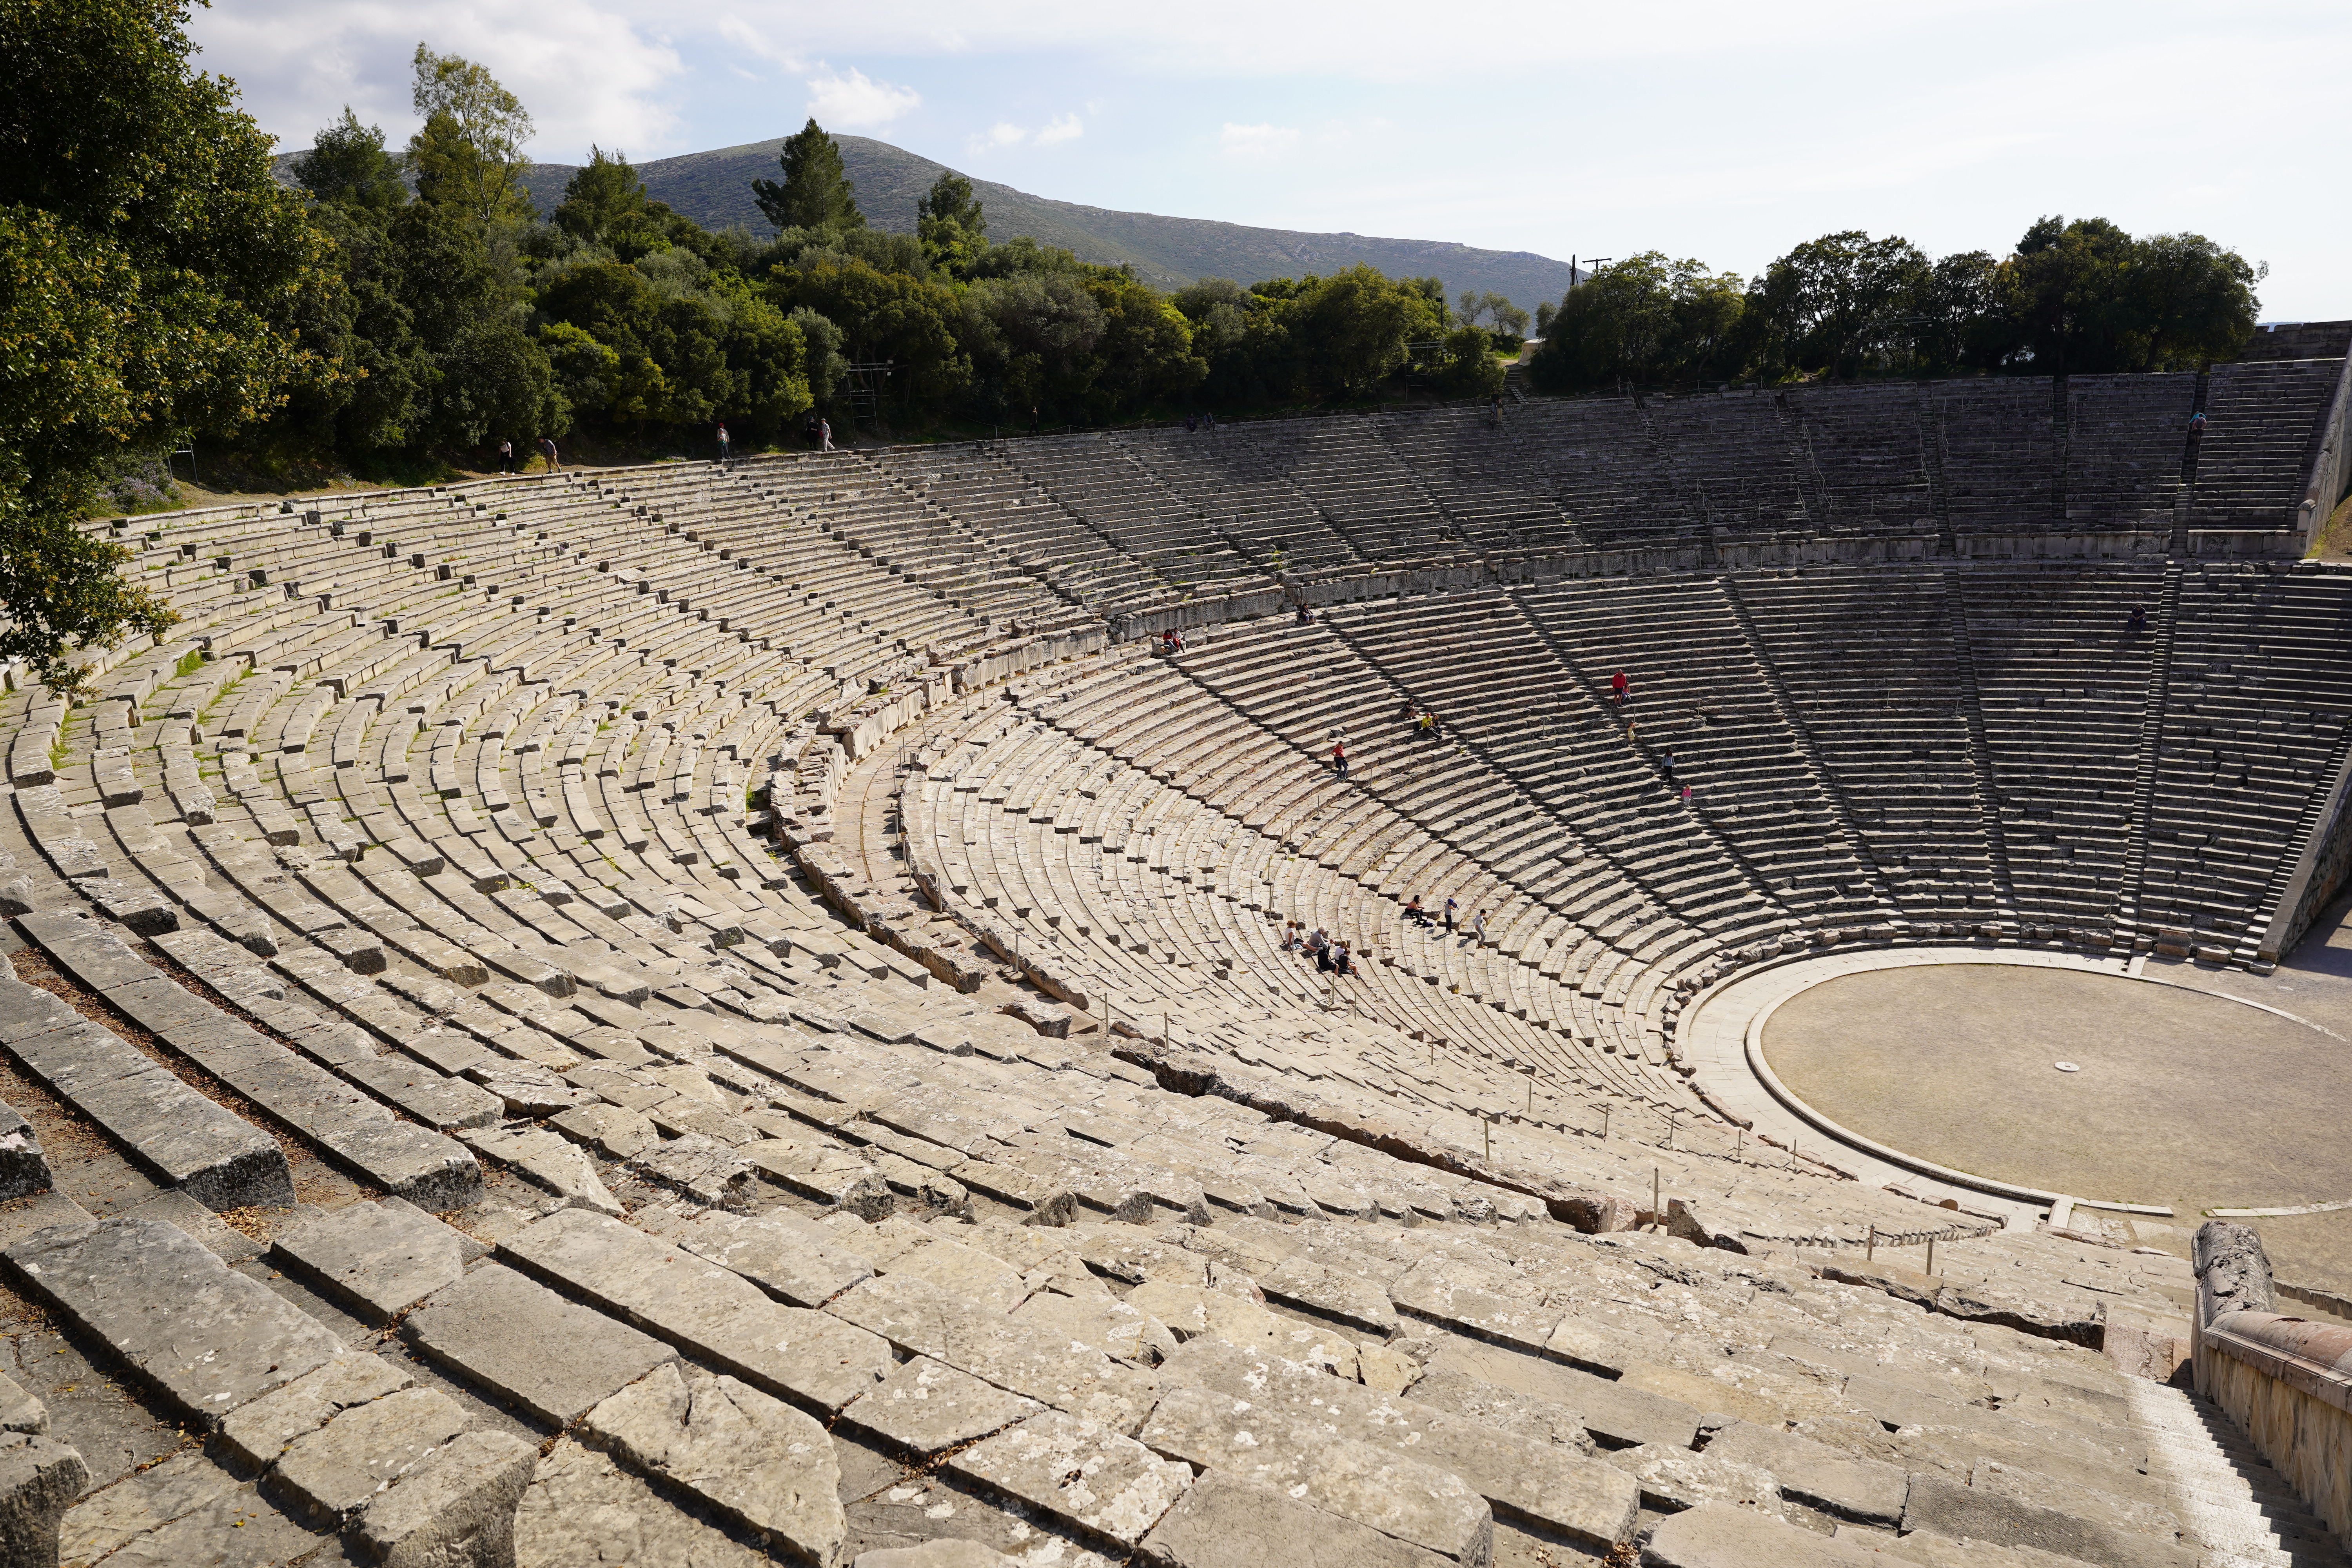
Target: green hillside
(714, 189)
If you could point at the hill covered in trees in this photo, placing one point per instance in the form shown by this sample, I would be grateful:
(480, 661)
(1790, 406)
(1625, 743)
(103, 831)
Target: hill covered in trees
(714, 189)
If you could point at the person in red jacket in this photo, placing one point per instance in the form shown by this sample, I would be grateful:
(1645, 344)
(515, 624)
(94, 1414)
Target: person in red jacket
(1618, 685)
(1340, 758)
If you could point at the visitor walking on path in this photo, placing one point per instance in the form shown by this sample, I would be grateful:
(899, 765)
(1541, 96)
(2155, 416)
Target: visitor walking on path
(554, 462)
(1478, 927)
(1340, 758)
(1668, 764)
(723, 446)
(809, 432)
(824, 435)
(1452, 908)
(506, 457)
(1619, 686)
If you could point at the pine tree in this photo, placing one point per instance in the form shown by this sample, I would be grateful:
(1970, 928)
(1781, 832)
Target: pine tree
(815, 194)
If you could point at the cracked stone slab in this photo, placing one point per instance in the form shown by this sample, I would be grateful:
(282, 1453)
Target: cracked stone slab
(260, 1432)
(790, 1257)
(1672, 1479)
(514, 1335)
(1112, 1326)
(1557, 1487)
(919, 1318)
(750, 1457)
(374, 1260)
(210, 1339)
(1379, 1488)
(924, 1409)
(816, 1360)
(546, 1161)
(703, 1169)
(1191, 1309)
(1818, 1476)
(455, 1506)
(583, 1508)
(1082, 1473)
(328, 1474)
(1224, 1522)
(613, 1131)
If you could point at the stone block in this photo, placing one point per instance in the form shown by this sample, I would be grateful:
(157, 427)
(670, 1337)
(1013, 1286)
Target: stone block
(1966, 1513)
(23, 1168)
(1672, 1479)
(1223, 1521)
(924, 1409)
(514, 1336)
(1716, 1536)
(1614, 1413)
(1867, 1491)
(1191, 1309)
(208, 1338)
(1114, 1327)
(545, 1160)
(39, 1479)
(919, 1318)
(1559, 1488)
(257, 1433)
(328, 1474)
(751, 1458)
(1097, 1481)
(1500, 1409)
(816, 1360)
(375, 1260)
(1378, 1488)
(790, 1257)
(456, 1509)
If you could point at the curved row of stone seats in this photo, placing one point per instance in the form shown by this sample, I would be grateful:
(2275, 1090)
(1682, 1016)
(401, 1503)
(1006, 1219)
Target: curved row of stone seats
(1135, 943)
(883, 517)
(2062, 686)
(2262, 425)
(1329, 885)
(1734, 459)
(1241, 487)
(1865, 658)
(2255, 726)
(1004, 508)
(2125, 440)
(1598, 459)
(1477, 474)
(1998, 445)
(1096, 482)
(1864, 456)
(1362, 485)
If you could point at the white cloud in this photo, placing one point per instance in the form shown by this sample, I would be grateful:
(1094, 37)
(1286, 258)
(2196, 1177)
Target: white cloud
(852, 98)
(742, 36)
(1259, 140)
(1004, 133)
(597, 77)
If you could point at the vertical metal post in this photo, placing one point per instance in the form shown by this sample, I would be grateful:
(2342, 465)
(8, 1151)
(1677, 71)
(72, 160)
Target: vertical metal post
(1604, 1124)
(1739, 1151)
(1870, 1248)
(1489, 1127)
(1657, 1218)
(1931, 1255)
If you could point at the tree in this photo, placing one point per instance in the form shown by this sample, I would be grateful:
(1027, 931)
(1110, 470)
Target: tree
(1471, 368)
(469, 153)
(1351, 330)
(816, 193)
(1644, 319)
(1962, 325)
(347, 166)
(604, 193)
(150, 270)
(2085, 297)
(951, 225)
(1840, 303)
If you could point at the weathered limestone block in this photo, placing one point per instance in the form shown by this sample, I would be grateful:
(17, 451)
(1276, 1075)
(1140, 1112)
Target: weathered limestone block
(924, 1409)
(1090, 1478)
(375, 1259)
(456, 1509)
(328, 1475)
(1223, 1521)
(752, 1457)
(260, 1431)
(39, 1479)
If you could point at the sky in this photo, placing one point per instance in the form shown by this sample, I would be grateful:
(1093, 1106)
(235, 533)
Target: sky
(1723, 131)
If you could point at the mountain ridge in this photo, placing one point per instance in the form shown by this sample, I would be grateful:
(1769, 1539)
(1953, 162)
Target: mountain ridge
(714, 188)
